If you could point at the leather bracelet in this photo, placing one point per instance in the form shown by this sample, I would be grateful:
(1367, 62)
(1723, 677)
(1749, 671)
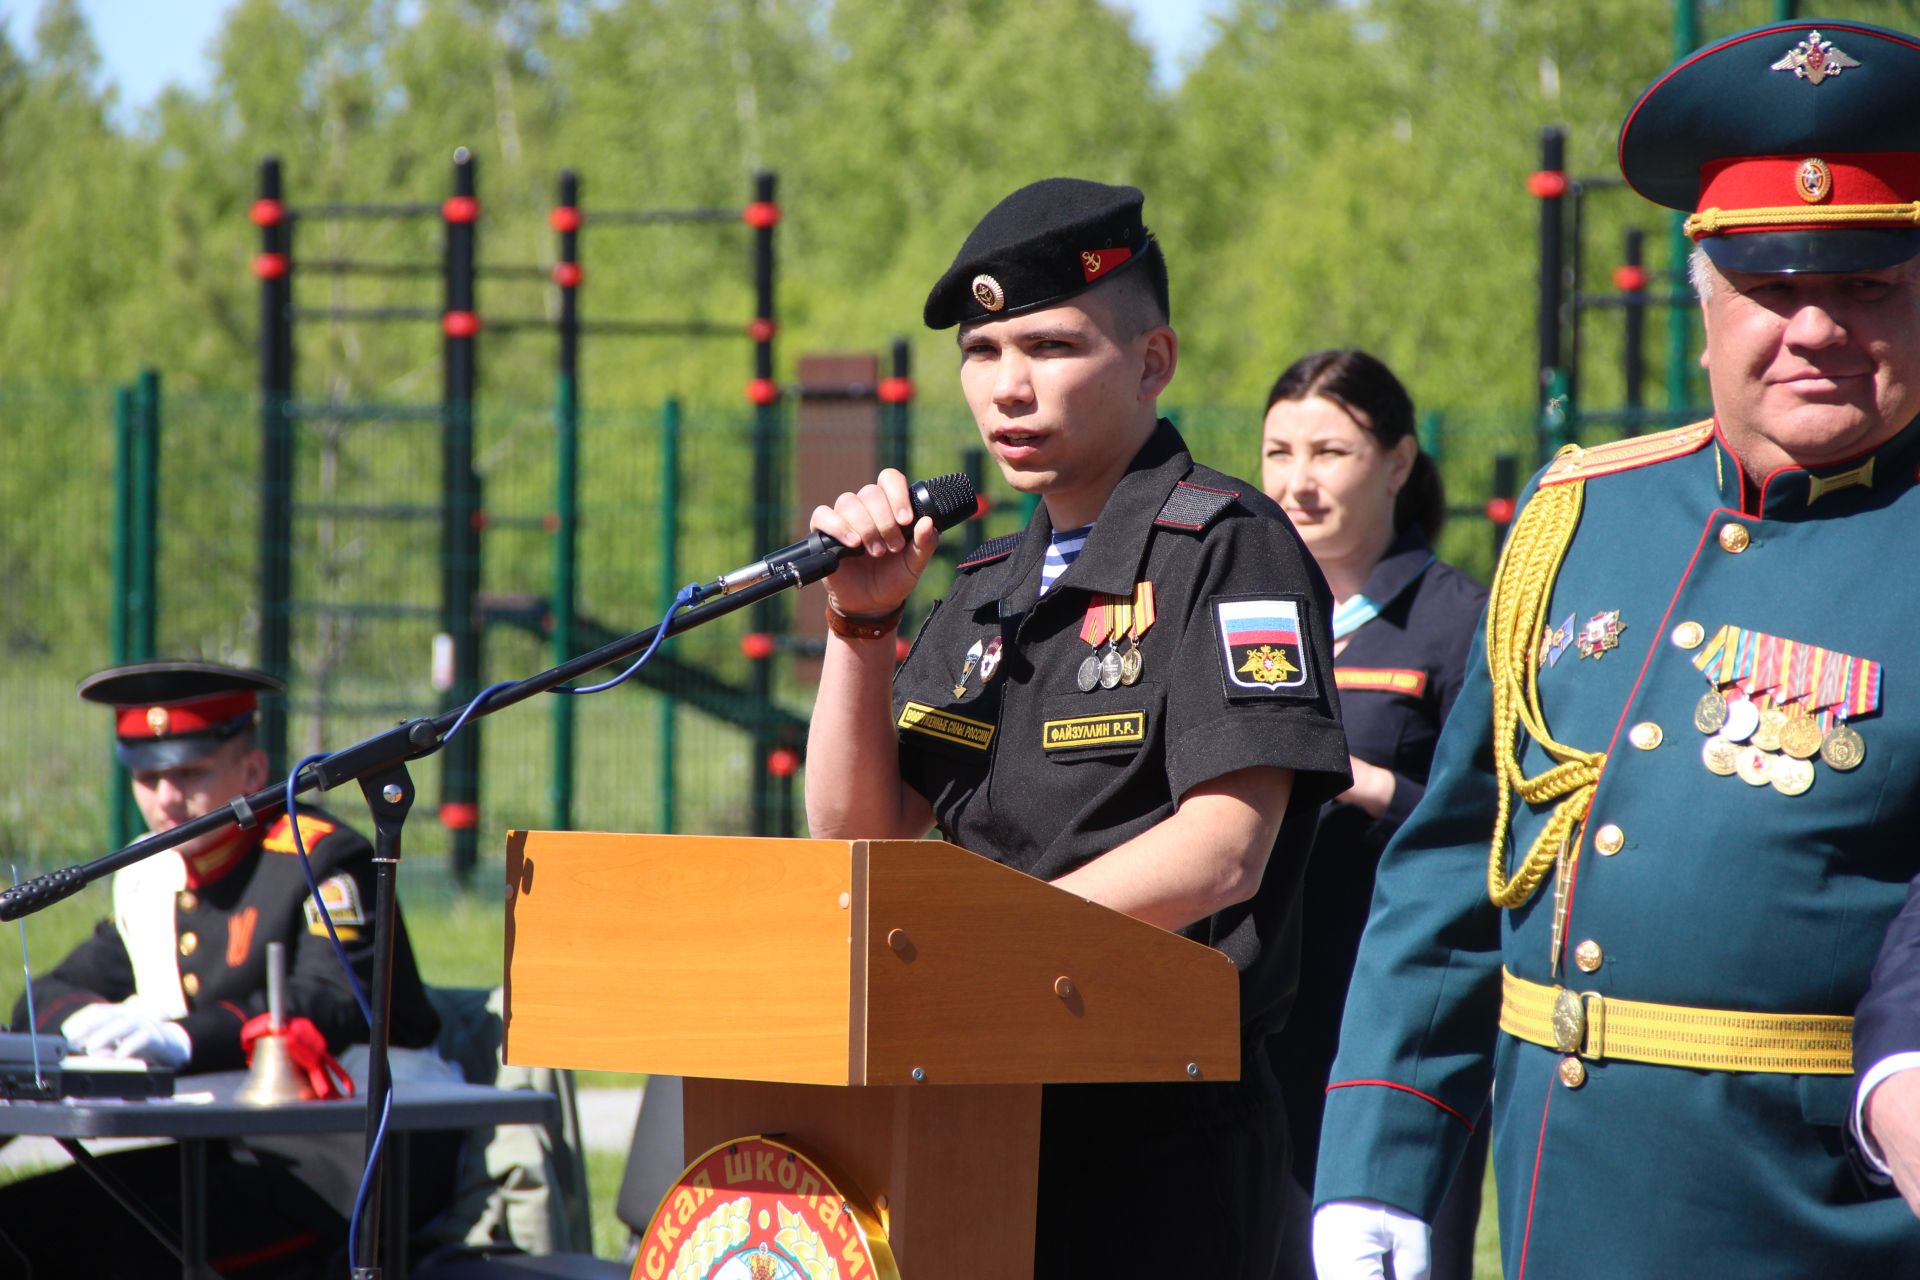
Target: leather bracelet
(863, 628)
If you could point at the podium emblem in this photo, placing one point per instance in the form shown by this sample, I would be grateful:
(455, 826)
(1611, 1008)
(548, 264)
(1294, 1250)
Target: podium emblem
(757, 1209)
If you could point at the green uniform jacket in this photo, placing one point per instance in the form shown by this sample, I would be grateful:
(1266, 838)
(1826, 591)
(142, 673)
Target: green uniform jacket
(1722, 895)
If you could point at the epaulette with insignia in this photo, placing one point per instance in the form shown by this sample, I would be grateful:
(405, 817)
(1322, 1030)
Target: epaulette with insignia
(992, 549)
(312, 831)
(1193, 506)
(1576, 463)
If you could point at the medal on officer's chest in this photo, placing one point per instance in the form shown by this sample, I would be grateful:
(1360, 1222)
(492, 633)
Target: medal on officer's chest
(1601, 633)
(1111, 668)
(1774, 704)
(1554, 642)
(1131, 662)
(1093, 631)
(989, 661)
(973, 657)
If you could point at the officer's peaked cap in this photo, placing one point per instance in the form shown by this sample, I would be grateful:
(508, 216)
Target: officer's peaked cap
(1794, 147)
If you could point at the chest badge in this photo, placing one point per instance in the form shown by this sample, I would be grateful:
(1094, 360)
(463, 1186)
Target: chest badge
(1555, 641)
(974, 654)
(1601, 633)
(1773, 705)
(989, 660)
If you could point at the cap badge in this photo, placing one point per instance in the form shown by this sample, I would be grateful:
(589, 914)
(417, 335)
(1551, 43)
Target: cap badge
(988, 293)
(157, 720)
(1813, 180)
(1814, 59)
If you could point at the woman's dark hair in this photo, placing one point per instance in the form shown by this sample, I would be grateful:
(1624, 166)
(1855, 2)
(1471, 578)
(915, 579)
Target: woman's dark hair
(1367, 389)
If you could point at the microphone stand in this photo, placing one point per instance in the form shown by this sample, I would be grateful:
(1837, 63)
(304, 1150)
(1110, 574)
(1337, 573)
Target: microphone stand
(379, 765)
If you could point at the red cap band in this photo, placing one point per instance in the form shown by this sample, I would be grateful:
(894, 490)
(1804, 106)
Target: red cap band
(1809, 182)
(180, 719)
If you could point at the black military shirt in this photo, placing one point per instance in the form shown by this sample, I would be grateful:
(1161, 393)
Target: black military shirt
(211, 940)
(1236, 671)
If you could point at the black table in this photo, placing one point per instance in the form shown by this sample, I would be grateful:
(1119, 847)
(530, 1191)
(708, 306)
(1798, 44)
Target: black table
(417, 1105)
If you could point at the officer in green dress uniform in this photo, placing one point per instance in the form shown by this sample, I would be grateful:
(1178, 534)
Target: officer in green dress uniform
(1688, 732)
(1133, 700)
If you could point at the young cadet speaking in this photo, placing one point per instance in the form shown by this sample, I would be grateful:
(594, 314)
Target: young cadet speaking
(1132, 699)
(1701, 810)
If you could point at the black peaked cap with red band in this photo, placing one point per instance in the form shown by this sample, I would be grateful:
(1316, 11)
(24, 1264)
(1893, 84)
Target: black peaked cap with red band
(169, 713)
(1039, 247)
(1794, 146)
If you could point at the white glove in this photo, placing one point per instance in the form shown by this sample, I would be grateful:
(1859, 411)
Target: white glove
(86, 1020)
(129, 1030)
(1358, 1239)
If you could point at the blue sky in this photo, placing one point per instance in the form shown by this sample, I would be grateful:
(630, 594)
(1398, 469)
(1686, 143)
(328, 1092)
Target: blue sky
(148, 44)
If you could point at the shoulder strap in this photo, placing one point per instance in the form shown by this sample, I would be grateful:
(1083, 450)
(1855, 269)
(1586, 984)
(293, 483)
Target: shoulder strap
(1576, 463)
(1192, 507)
(991, 550)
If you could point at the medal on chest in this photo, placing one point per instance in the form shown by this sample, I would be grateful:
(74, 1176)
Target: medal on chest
(1773, 705)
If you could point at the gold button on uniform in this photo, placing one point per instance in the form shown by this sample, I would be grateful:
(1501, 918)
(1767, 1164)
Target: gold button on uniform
(1587, 956)
(1734, 537)
(1689, 635)
(1646, 735)
(191, 984)
(1573, 1072)
(1609, 839)
(189, 901)
(189, 943)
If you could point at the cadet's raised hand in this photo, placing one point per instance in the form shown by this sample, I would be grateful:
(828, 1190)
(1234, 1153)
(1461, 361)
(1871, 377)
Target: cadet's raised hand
(873, 519)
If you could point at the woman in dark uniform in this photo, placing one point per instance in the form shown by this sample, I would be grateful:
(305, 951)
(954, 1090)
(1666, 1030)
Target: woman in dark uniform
(1338, 453)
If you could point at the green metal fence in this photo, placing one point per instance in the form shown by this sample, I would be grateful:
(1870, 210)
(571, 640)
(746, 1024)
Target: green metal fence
(365, 578)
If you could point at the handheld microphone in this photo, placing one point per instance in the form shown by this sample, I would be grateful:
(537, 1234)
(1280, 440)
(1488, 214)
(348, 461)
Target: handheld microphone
(949, 499)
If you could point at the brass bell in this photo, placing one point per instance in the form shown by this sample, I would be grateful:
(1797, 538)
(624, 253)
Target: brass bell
(273, 1080)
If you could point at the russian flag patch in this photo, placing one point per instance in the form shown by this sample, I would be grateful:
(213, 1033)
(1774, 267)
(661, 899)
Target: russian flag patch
(1261, 646)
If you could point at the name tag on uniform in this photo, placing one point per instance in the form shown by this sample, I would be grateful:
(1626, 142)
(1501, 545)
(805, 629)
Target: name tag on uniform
(918, 717)
(1116, 728)
(1381, 679)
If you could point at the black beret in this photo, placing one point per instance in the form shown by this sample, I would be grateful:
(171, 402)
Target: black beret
(1038, 247)
(1795, 146)
(168, 713)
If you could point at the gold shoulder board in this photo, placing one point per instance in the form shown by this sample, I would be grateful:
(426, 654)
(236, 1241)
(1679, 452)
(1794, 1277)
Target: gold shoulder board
(1576, 463)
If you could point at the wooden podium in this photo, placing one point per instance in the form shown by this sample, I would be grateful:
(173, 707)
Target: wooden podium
(892, 1005)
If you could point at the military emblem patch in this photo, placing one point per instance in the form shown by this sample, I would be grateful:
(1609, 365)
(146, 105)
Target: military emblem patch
(1261, 646)
(757, 1209)
(1095, 263)
(341, 896)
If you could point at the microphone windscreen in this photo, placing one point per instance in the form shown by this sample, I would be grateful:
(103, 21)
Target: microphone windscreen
(949, 499)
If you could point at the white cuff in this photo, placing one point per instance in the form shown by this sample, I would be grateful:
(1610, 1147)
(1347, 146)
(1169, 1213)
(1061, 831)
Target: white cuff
(1892, 1064)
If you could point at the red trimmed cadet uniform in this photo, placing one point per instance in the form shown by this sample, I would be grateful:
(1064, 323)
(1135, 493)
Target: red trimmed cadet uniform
(186, 943)
(194, 942)
(1028, 762)
(1694, 744)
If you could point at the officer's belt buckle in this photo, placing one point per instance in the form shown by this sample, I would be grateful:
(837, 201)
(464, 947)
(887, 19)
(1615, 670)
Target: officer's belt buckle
(1580, 1023)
